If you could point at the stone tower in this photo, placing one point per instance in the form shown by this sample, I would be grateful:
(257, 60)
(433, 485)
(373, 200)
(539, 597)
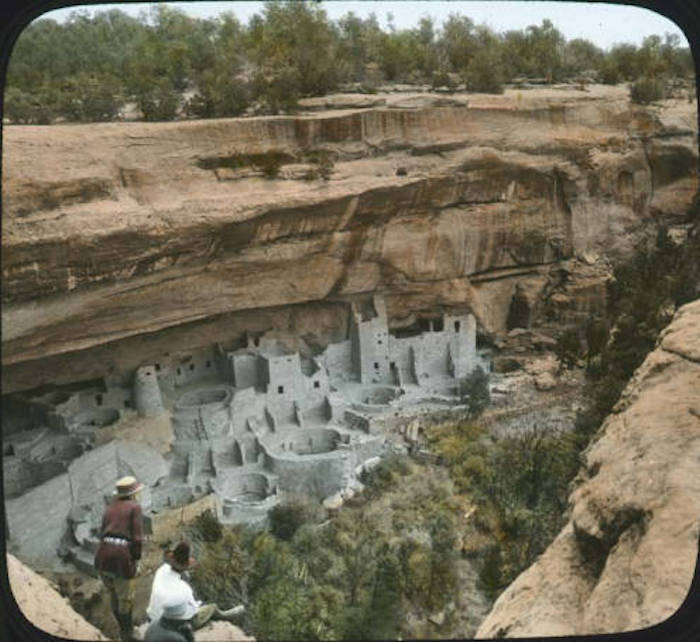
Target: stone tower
(147, 395)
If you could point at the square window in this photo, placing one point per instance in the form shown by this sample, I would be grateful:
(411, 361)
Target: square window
(179, 371)
(457, 326)
(192, 366)
(376, 365)
(157, 367)
(317, 384)
(280, 389)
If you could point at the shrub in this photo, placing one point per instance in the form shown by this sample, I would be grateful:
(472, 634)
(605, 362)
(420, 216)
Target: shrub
(647, 90)
(442, 79)
(158, 103)
(474, 390)
(286, 518)
(568, 349)
(208, 527)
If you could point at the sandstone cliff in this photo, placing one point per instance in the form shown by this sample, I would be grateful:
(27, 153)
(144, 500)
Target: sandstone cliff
(123, 239)
(626, 557)
(43, 605)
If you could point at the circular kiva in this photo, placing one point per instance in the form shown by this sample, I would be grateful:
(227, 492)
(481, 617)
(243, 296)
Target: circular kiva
(214, 396)
(377, 395)
(313, 441)
(96, 418)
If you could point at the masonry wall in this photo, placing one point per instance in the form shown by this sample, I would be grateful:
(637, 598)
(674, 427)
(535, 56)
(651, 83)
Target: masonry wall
(37, 520)
(16, 476)
(194, 367)
(244, 405)
(316, 475)
(246, 371)
(337, 359)
(92, 478)
(113, 397)
(147, 396)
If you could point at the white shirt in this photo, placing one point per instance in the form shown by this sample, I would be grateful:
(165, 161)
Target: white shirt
(167, 582)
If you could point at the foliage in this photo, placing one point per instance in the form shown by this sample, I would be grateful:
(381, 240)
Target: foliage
(568, 348)
(474, 390)
(221, 574)
(647, 90)
(286, 518)
(354, 576)
(90, 66)
(207, 527)
(385, 475)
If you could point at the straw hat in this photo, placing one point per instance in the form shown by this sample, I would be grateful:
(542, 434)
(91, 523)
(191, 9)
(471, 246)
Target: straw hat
(128, 486)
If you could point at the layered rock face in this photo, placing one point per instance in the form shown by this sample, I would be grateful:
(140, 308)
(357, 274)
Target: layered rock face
(625, 559)
(122, 238)
(44, 606)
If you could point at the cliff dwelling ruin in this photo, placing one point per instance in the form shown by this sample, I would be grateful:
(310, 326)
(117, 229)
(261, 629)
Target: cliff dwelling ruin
(249, 424)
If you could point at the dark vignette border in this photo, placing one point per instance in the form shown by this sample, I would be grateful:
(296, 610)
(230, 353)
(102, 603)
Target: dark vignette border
(682, 626)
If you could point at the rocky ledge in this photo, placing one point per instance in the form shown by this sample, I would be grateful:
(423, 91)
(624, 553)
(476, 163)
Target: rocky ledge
(626, 557)
(120, 231)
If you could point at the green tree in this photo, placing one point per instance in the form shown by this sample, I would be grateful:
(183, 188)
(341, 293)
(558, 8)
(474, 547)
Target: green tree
(546, 45)
(474, 390)
(457, 42)
(568, 348)
(485, 70)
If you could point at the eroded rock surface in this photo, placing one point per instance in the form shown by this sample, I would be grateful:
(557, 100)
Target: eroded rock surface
(44, 606)
(626, 557)
(114, 232)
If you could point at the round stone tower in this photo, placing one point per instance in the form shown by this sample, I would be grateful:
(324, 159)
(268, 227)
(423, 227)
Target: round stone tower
(147, 395)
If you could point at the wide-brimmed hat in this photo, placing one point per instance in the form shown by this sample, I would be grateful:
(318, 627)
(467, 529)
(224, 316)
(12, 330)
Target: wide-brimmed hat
(180, 558)
(128, 486)
(178, 606)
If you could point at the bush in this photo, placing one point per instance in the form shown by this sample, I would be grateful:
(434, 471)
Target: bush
(474, 390)
(442, 79)
(158, 103)
(286, 518)
(269, 164)
(568, 349)
(207, 527)
(485, 74)
(647, 90)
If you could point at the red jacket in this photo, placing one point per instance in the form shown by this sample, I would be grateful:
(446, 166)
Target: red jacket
(122, 519)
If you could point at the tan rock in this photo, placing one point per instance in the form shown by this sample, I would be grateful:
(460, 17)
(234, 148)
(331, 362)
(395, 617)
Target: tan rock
(44, 606)
(545, 381)
(114, 231)
(220, 631)
(626, 558)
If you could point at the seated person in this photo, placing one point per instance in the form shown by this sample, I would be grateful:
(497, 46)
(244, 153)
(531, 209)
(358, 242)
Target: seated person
(175, 621)
(169, 577)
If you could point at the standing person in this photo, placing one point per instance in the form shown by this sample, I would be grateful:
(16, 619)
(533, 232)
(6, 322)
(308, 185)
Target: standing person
(169, 579)
(117, 556)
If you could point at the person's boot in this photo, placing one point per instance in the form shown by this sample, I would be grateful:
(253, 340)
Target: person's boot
(126, 627)
(231, 615)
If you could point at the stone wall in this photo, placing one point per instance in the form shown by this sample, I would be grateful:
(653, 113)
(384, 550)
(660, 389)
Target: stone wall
(92, 478)
(199, 365)
(147, 395)
(37, 520)
(316, 475)
(338, 360)
(246, 370)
